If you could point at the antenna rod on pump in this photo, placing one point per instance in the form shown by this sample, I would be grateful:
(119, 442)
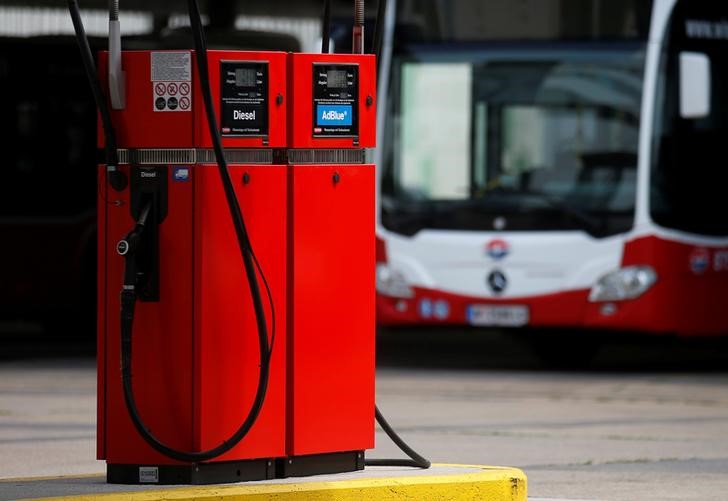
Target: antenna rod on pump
(326, 28)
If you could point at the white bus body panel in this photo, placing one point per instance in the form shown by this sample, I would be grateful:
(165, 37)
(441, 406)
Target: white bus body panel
(536, 263)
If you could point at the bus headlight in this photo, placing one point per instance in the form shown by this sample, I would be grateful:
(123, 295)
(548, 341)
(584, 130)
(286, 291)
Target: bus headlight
(627, 283)
(392, 283)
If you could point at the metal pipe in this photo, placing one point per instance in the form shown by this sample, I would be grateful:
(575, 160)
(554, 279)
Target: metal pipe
(113, 10)
(117, 83)
(357, 42)
(359, 12)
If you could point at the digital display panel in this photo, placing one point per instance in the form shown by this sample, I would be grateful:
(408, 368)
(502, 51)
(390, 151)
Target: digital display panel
(245, 77)
(335, 100)
(244, 98)
(336, 79)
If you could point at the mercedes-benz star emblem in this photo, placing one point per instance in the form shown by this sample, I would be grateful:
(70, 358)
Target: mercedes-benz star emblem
(497, 281)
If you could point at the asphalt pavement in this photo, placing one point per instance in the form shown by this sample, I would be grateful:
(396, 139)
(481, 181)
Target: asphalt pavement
(647, 421)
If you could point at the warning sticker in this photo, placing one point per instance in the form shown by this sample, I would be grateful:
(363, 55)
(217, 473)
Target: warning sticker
(171, 96)
(171, 81)
(171, 66)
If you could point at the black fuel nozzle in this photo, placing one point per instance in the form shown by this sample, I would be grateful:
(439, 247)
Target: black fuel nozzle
(128, 245)
(128, 301)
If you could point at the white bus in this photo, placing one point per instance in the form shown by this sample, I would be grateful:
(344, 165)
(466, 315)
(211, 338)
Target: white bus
(554, 164)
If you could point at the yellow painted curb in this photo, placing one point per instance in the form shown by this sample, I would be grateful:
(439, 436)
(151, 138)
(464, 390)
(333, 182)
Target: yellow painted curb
(489, 483)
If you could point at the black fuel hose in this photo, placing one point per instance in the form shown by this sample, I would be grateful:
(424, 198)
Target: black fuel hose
(326, 27)
(379, 29)
(112, 157)
(129, 294)
(416, 460)
(251, 268)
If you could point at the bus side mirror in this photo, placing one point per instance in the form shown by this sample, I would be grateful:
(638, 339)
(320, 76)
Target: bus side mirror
(694, 85)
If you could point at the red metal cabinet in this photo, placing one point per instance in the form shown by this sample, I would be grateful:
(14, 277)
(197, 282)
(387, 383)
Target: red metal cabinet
(301, 99)
(226, 342)
(331, 298)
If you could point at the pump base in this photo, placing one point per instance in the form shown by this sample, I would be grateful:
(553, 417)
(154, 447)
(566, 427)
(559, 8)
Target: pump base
(320, 464)
(191, 474)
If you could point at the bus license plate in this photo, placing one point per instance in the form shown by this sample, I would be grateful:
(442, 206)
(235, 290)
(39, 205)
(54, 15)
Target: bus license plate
(502, 316)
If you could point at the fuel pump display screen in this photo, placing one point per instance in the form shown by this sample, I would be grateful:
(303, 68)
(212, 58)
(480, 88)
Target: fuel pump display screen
(243, 98)
(335, 100)
(245, 77)
(336, 79)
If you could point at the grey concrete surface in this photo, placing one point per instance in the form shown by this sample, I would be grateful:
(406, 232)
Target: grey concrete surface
(577, 436)
(603, 435)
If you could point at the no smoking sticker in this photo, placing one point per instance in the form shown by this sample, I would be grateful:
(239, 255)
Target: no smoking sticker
(171, 96)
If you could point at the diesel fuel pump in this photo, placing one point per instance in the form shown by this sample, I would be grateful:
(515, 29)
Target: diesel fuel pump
(235, 261)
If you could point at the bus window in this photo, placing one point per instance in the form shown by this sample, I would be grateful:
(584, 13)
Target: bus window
(689, 177)
(435, 131)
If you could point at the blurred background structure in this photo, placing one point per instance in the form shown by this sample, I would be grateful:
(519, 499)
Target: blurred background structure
(536, 169)
(48, 136)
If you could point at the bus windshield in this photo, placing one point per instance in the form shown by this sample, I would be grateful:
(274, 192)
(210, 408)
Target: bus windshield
(522, 138)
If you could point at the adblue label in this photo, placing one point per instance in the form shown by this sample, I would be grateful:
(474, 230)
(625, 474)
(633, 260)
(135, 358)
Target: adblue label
(334, 115)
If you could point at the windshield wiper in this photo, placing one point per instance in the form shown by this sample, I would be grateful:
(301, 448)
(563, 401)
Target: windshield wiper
(592, 225)
(409, 219)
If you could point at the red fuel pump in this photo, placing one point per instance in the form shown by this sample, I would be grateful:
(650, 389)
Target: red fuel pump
(331, 215)
(195, 356)
(246, 344)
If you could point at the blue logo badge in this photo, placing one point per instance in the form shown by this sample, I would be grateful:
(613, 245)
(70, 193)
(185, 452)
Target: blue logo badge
(699, 260)
(331, 114)
(497, 249)
(181, 174)
(425, 308)
(442, 309)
